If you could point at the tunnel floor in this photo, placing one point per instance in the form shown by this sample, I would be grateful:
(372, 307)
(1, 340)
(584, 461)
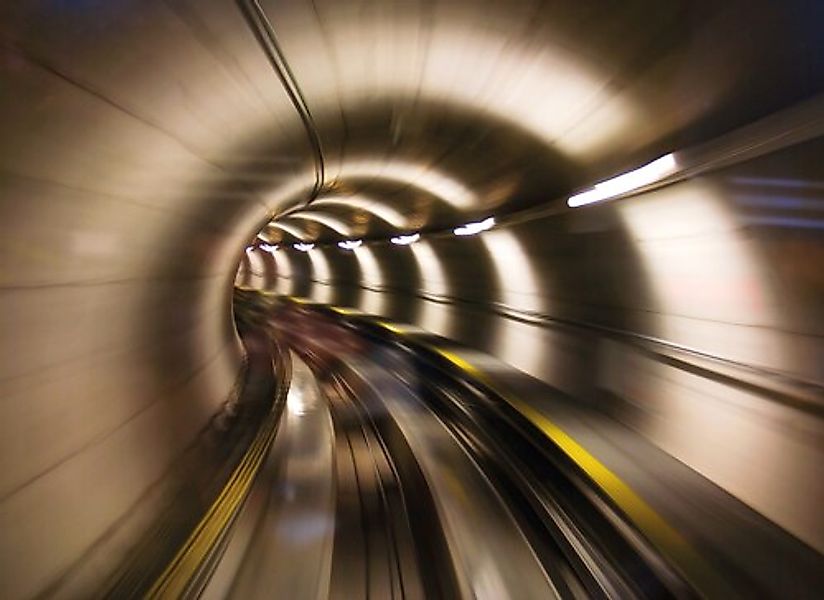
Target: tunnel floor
(406, 465)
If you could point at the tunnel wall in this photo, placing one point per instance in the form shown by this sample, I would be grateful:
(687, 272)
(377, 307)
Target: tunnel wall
(687, 313)
(116, 365)
(113, 371)
(145, 143)
(122, 226)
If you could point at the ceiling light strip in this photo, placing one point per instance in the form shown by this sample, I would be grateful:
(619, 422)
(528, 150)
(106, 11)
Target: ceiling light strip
(627, 182)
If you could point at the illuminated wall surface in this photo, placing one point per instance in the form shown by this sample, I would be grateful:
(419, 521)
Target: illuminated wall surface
(145, 145)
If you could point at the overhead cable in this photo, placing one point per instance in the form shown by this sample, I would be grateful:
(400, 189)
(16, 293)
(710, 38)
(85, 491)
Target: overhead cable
(261, 26)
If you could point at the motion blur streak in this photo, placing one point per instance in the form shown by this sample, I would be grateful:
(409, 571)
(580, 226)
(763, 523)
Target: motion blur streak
(256, 268)
(283, 272)
(421, 176)
(518, 286)
(387, 213)
(292, 230)
(669, 326)
(329, 221)
(711, 293)
(566, 85)
(434, 311)
(371, 280)
(702, 268)
(321, 276)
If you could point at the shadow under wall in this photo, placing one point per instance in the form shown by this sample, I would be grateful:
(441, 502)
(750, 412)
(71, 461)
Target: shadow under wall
(345, 275)
(301, 266)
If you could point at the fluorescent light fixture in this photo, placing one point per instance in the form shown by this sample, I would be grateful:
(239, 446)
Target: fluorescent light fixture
(649, 173)
(349, 244)
(303, 247)
(405, 240)
(477, 227)
(268, 247)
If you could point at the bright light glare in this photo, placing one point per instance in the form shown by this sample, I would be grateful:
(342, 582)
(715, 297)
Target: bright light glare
(294, 402)
(349, 244)
(284, 284)
(405, 240)
(649, 173)
(322, 289)
(477, 227)
(268, 247)
(519, 286)
(434, 283)
(303, 247)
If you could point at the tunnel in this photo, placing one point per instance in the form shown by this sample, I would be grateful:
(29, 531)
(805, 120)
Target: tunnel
(427, 299)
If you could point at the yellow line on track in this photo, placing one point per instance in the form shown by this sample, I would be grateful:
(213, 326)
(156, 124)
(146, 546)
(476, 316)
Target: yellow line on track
(653, 527)
(663, 536)
(182, 570)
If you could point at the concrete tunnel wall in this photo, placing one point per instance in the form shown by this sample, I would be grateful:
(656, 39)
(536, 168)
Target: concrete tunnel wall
(122, 225)
(141, 145)
(725, 266)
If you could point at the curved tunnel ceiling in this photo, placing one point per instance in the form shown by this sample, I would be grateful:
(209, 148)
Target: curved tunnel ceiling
(442, 110)
(145, 144)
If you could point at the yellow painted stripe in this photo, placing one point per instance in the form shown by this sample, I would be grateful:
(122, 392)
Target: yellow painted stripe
(665, 539)
(346, 311)
(391, 327)
(656, 530)
(177, 576)
(173, 582)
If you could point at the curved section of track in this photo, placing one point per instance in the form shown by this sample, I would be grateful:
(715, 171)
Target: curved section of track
(400, 471)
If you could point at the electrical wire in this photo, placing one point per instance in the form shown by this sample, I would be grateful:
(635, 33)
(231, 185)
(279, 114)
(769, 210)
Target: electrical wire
(262, 28)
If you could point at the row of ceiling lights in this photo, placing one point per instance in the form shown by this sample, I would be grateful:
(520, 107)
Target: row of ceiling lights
(400, 240)
(617, 186)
